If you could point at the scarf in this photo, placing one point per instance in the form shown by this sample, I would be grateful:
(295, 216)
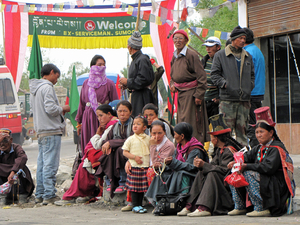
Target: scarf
(145, 144)
(182, 151)
(97, 78)
(117, 129)
(236, 52)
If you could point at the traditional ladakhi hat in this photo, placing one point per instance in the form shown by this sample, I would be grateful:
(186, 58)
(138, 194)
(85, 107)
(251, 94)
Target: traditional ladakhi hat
(135, 41)
(218, 124)
(263, 115)
(181, 32)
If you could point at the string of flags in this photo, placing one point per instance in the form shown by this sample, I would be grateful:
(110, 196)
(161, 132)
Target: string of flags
(209, 32)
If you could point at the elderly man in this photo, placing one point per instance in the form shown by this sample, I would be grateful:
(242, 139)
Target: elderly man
(213, 45)
(188, 78)
(12, 159)
(140, 75)
(233, 72)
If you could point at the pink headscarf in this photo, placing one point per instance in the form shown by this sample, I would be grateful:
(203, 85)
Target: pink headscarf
(182, 151)
(97, 78)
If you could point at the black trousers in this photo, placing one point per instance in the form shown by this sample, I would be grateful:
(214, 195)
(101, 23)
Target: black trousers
(137, 198)
(212, 108)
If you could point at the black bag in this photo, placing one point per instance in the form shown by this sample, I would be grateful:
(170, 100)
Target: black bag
(170, 204)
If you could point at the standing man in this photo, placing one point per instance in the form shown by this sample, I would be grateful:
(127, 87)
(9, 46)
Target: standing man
(140, 75)
(257, 94)
(213, 44)
(188, 78)
(233, 72)
(49, 124)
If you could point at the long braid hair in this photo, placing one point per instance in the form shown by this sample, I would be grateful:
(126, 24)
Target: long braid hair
(229, 141)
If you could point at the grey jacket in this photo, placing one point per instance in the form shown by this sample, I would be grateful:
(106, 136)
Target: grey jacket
(224, 72)
(47, 114)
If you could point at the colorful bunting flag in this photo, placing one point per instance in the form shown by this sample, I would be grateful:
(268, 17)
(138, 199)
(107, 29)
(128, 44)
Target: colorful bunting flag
(91, 3)
(49, 7)
(224, 35)
(152, 18)
(146, 15)
(14, 9)
(210, 33)
(134, 12)
(32, 8)
(8, 8)
(84, 3)
(21, 8)
(118, 4)
(123, 6)
(217, 34)
(204, 32)
(198, 30)
(79, 3)
(130, 10)
(2, 7)
(157, 20)
(61, 6)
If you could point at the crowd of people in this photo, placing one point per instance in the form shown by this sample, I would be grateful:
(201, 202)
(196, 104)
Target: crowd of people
(131, 149)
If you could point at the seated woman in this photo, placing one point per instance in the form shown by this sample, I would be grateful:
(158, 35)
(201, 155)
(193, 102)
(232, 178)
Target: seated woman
(160, 148)
(269, 185)
(208, 195)
(83, 185)
(180, 171)
(112, 162)
(150, 111)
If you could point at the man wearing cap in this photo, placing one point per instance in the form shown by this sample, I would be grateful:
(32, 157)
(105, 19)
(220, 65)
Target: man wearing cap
(233, 72)
(257, 94)
(49, 125)
(188, 78)
(213, 44)
(140, 75)
(12, 159)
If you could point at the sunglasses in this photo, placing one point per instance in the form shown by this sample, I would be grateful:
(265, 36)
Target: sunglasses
(210, 41)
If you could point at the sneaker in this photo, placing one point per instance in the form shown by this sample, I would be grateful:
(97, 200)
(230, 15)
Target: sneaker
(139, 209)
(127, 208)
(83, 199)
(120, 190)
(108, 189)
(183, 212)
(64, 202)
(259, 213)
(236, 212)
(50, 200)
(199, 213)
(38, 200)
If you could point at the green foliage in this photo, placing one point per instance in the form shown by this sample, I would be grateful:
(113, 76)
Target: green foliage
(124, 71)
(224, 20)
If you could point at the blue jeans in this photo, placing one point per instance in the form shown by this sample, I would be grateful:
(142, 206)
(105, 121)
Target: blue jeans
(47, 166)
(122, 181)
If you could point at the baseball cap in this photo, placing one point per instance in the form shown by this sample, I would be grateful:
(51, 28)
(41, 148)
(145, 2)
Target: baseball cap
(211, 41)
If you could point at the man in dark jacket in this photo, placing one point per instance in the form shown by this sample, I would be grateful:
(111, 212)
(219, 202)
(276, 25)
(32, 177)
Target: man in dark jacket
(140, 75)
(12, 159)
(213, 45)
(233, 72)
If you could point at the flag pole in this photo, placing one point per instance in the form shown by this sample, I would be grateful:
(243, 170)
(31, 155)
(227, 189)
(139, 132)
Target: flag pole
(138, 17)
(3, 30)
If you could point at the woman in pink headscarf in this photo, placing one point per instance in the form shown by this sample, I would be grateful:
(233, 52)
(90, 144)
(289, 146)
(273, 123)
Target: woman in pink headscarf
(96, 90)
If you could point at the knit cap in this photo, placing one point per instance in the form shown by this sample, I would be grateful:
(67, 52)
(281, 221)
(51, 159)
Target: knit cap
(237, 32)
(135, 41)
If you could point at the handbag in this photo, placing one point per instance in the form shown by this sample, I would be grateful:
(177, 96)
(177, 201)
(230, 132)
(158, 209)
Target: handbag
(170, 203)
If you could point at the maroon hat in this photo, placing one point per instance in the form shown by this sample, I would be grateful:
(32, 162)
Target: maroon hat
(218, 125)
(181, 32)
(263, 115)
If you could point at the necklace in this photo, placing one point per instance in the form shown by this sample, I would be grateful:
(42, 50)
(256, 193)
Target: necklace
(263, 150)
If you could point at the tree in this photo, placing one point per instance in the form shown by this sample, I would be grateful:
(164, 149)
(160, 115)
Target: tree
(224, 20)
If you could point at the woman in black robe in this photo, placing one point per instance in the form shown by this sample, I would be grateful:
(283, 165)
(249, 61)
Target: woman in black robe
(262, 168)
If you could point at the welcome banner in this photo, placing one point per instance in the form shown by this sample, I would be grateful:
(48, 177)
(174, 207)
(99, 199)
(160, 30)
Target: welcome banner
(86, 31)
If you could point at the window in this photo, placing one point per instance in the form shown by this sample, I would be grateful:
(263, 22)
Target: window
(6, 92)
(284, 59)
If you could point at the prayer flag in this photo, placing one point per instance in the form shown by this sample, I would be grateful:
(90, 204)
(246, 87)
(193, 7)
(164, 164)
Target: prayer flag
(198, 30)
(152, 18)
(61, 6)
(157, 20)
(224, 35)
(163, 13)
(183, 25)
(26, 8)
(134, 12)
(153, 5)
(146, 15)
(74, 99)
(204, 32)
(79, 3)
(32, 8)
(14, 9)
(123, 6)
(8, 8)
(184, 14)
(35, 62)
(84, 2)
(91, 3)
(210, 33)
(49, 7)
(118, 4)
(130, 10)
(2, 7)
(217, 34)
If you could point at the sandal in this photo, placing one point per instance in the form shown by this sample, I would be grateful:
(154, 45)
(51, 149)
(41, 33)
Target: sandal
(136, 209)
(120, 190)
(142, 210)
(108, 189)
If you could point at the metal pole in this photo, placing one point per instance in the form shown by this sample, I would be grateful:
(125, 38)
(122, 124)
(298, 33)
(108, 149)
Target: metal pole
(274, 69)
(289, 87)
(3, 33)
